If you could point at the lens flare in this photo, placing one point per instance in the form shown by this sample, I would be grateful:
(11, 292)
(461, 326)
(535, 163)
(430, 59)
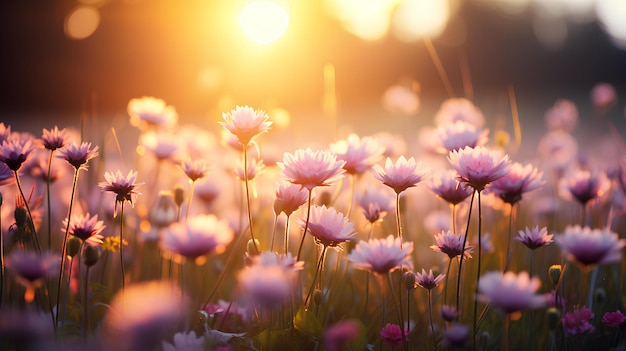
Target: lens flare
(264, 21)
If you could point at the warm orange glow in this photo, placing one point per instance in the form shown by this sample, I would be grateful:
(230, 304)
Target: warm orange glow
(264, 21)
(368, 20)
(82, 22)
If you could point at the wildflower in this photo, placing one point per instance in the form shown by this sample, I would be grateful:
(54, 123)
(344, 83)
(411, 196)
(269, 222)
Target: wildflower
(269, 281)
(562, 116)
(289, 197)
(85, 227)
(360, 154)
(558, 149)
(451, 244)
(510, 292)
(382, 255)
(401, 175)
(520, 180)
(195, 169)
(445, 185)
(164, 146)
(54, 138)
(459, 109)
(338, 336)
(428, 281)
(5, 132)
(311, 169)
(477, 167)
(578, 321)
(149, 111)
(76, 155)
(448, 313)
(199, 236)
(459, 134)
(456, 336)
(376, 204)
(534, 238)
(614, 319)
(246, 123)
(124, 188)
(584, 186)
(590, 246)
(31, 268)
(40, 170)
(329, 227)
(15, 151)
(392, 335)
(112, 243)
(6, 174)
(185, 342)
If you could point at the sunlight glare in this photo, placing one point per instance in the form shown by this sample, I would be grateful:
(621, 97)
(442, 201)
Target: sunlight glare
(264, 21)
(82, 22)
(417, 19)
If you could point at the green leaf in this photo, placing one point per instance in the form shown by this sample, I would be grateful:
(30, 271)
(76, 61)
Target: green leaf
(306, 322)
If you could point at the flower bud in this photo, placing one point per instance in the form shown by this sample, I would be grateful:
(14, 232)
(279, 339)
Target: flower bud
(409, 280)
(73, 246)
(251, 248)
(20, 216)
(179, 196)
(90, 255)
(554, 317)
(555, 273)
(317, 297)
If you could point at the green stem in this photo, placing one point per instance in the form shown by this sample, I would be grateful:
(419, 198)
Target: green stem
(398, 223)
(306, 225)
(458, 282)
(287, 235)
(395, 304)
(477, 273)
(245, 179)
(317, 269)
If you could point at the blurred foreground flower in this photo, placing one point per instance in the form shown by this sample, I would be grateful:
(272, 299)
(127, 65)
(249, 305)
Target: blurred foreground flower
(590, 246)
(511, 292)
(31, 268)
(148, 112)
(268, 282)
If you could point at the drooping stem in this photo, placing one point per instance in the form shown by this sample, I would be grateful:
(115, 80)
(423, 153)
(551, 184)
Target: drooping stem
(477, 272)
(30, 217)
(245, 180)
(458, 282)
(306, 225)
(48, 199)
(317, 269)
(122, 245)
(430, 312)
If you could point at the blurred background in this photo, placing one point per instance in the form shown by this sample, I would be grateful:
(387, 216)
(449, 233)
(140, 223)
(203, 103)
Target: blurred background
(356, 60)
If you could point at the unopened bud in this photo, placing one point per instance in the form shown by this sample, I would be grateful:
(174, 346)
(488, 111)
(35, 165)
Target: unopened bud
(73, 246)
(554, 316)
(317, 297)
(253, 249)
(179, 196)
(20, 216)
(90, 255)
(555, 273)
(409, 280)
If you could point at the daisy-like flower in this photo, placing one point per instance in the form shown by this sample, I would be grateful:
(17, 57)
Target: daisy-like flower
(6, 174)
(459, 109)
(392, 335)
(590, 246)
(584, 186)
(54, 138)
(124, 188)
(31, 268)
(459, 134)
(289, 197)
(15, 151)
(199, 236)
(86, 227)
(329, 227)
(511, 292)
(375, 203)
(578, 321)
(149, 111)
(428, 281)
(382, 256)
(614, 319)
(520, 180)
(360, 154)
(195, 170)
(401, 175)
(451, 244)
(246, 123)
(562, 116)
(445, 185)
(163, 145)
(477, 167)
(534, 238)
(78, 155)
(311, 168)
(448, 313)
(269, 280)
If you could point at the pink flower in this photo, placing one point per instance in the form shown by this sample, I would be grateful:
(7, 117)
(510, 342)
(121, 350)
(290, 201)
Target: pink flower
(15, 151)
(401, 175)
(558, 149)
(311, 169)
(246, 123)
(479, 166)
(85, 227)
(54, 138)
(520, 180)
(451, 244)
(124, 188)
(255, 167)
(149, 111)
(459, 134)
(534, 238)
(5, 132)
(590, 246)
(382, 256)
(428, 281)
(78, 156)
(376, 204)
(614, 319)
(459, 109)
(445, 185)
(329, 227)
(360, 154)
(511, 292)
(199, 236)
(562, 116)
(603, 95)
(195, 170)
(164, 145)
(185, 342)
(578, 321)
(584, 186)
(338, 336)
(289, 197)
(269, 280)
(392, 335)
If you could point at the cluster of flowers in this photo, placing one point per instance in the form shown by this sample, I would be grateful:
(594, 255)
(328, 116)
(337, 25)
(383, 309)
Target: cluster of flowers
(192, 286)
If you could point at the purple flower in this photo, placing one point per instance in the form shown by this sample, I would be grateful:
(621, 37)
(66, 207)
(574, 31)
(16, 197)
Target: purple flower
(562, 116)
(459, 134)
(520, 180)
(534, 238)
(447, 187)
(289, 197)
(269, 280)
(456, 336)
(451, 244)
(578, 321)
(195, 170)
(449, 313)
(401, 175)
(339, 335)
(614, 319)
(376, 203)
(54, 138)
(590, 246)
(511, 292)
(124, 188)
(584, 186)
(360, 154)
(428, 281)
(392, 335)
(477, 167)
(329, 227)
(85, 227)
(15, 151)
(163, 145)
(382, 256)
(76, 155)
(311, 169)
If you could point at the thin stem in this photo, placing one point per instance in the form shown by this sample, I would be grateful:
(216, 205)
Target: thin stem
(245, 179)
(317, 269)
(453, 215)
(458, 282)
(48, 198)
(445, 287)
(273, 232)
(30, 217)
(398, 223)
(508, 242)
(64, 246)
(122, 245)
(86, 304)
(477, 271)
(2, 259)
(220, 278)
(191, 189)
(286, 248)
(430, 312)
(507, 329)
(306, 225)
(395, 304)
(352, 194)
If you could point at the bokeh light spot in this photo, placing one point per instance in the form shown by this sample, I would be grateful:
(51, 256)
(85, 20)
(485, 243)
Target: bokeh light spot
(82, 22)
(264, 21)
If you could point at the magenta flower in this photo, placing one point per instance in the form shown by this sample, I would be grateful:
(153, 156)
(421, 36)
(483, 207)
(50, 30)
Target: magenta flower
(460, 134)
(149, 111)
(428, 281)
(124, 188)
(477, 167)
(511, 292)
(54, 138)
(246, 123)
(401, 175)
(445, 185)
(382, 256)
(85, 227)
(376, 204)
(562, 116)
(311, 169)
(289, 197)
(338, 336)
(520, 180)
(614, 319)
(534, 238)
(360, 154)
(459, 109)
(76, 155)
(329, 227)
(195, 170)
(392, 335)
(199, 236)
(578, 321)
(590, 246)
(584, 186)
(451, 244)
(15, 151)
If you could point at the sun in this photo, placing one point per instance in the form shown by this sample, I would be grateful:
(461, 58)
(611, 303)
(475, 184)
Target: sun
(264, 21)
